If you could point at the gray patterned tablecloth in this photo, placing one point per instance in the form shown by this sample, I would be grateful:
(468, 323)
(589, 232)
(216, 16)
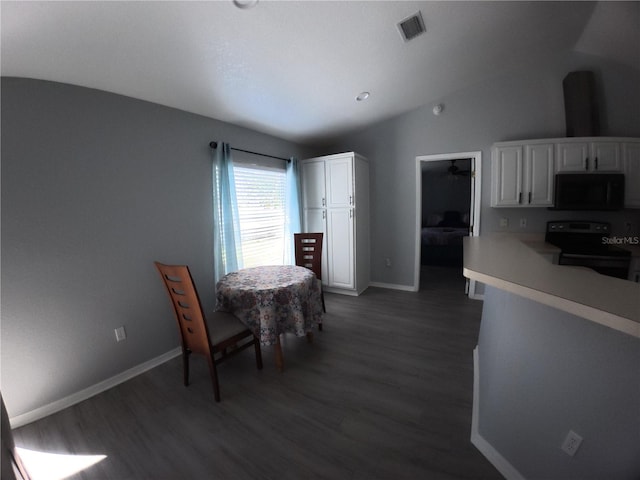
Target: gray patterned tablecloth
(272, 300)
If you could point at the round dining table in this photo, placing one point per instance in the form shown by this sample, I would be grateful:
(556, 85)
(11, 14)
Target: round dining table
(272, 300)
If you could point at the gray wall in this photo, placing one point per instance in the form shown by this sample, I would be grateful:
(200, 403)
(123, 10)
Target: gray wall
(523, 102)
(544, 372)
(95, 187)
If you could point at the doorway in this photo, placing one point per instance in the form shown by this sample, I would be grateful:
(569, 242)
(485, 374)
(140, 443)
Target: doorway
(442, 225)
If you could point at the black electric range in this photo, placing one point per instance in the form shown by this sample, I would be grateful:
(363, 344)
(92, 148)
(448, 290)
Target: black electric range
(584, 243)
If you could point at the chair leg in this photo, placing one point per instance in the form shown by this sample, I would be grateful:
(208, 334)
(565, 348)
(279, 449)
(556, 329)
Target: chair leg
(185, 366)
(256, 344)
(214, 378)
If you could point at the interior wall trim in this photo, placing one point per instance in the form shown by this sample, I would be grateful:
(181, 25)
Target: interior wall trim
(394, 286)
(495, 458)
(53, 407)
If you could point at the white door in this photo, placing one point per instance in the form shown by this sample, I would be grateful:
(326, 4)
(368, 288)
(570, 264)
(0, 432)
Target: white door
(507, 175)
(313, 184)
(539, 174)
(339, 174)
(339, 243)
(315, 221)
(572, 157)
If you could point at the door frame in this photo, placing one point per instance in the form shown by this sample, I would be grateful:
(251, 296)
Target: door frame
(474, 208)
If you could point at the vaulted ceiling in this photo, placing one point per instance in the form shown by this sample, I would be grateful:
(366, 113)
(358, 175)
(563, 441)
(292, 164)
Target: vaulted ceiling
(293, 68)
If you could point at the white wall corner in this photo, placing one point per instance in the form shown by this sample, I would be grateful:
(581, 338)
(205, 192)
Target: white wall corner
(53, 407)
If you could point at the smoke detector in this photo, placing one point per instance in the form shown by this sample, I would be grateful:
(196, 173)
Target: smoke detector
(411, 27)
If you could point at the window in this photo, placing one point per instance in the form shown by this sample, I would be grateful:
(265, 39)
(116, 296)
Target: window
(260, 191)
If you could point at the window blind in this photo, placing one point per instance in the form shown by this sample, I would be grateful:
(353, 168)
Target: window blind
(261, 206)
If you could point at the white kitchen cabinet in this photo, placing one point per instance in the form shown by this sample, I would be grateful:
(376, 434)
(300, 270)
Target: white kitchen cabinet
(631, 168)
(522, 175)
(523, 172)
(336, 202)
(588, 156)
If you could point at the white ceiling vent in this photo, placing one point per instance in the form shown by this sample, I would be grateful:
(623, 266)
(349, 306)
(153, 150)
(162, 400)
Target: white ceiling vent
(411, 27)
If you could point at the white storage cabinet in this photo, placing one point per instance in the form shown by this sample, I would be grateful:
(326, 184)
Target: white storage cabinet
(335, 193)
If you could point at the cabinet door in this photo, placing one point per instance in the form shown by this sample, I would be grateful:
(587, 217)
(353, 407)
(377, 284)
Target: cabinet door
(313, 184)
(606, 157)
(631, 163)
(339, 174)
(539, 175)
(341, 269)
(507, 176)
(572, 157)
(315, 221)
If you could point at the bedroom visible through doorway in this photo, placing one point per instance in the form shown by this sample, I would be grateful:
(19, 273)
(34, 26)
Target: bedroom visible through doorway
(447, 209)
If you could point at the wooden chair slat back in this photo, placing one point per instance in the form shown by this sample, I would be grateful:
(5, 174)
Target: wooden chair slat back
(187, 307)
(308, 251)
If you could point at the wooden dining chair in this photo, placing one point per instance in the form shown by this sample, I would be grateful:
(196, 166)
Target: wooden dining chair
(308, 252)
(218, 335)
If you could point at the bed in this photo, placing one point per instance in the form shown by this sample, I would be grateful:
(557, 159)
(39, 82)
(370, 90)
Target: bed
(441, 244)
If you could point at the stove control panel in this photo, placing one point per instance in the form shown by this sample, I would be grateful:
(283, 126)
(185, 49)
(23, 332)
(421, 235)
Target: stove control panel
(578, 227)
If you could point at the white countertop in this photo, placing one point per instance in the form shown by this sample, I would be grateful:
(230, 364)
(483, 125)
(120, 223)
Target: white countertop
(515, 265)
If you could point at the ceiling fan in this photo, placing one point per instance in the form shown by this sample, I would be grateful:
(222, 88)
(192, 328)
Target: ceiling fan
(453, 170)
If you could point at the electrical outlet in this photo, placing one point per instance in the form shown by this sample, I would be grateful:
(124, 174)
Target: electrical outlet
(387, 262)
(120, 334)
(504, 222)
(523, 223)
(572, 443)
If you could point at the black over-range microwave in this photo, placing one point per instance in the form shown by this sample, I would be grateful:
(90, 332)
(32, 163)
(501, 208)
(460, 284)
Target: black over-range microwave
(589, 191)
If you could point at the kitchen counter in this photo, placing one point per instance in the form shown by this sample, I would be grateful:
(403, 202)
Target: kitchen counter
(519, 266)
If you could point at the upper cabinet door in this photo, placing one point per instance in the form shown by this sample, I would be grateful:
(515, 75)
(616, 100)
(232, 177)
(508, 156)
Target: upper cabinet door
(586, 157)
(506, 188)
(339, 173)
(606, 157)
(572, 157)
(631, 162)
(313, 184)
(539, 171)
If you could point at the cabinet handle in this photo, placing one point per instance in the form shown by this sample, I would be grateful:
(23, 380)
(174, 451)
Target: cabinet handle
(520, 198)
(324, 214)
(350, 213)
(529, 198)
(323, 202)
(586, 163)
(350, 199)
(596, 163)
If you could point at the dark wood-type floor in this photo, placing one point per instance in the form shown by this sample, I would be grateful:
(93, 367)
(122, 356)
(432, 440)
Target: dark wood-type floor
(384, 392)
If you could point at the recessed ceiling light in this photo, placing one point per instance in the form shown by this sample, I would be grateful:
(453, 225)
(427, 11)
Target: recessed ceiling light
(362, 96)
(245, 4)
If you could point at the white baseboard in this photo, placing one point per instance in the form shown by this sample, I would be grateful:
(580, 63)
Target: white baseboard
(53, 407)
(393, 286)
(495, 458)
